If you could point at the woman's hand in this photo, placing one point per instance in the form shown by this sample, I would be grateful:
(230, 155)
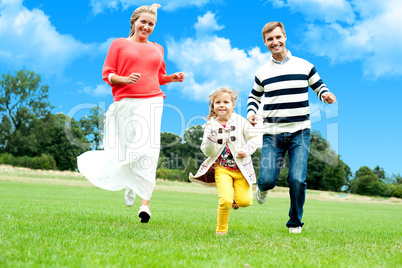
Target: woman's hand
(176, 77)
(132, 78)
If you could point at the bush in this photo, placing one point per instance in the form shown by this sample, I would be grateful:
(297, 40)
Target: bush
(396, 190)
(44, 161)
(172, 175)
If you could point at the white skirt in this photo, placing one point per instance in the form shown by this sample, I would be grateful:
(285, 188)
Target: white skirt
(131, 148)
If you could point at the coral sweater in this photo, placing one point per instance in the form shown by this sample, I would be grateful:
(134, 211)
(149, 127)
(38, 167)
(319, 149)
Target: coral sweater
(125, 57)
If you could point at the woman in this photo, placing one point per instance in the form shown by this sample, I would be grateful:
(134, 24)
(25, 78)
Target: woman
(135, 69)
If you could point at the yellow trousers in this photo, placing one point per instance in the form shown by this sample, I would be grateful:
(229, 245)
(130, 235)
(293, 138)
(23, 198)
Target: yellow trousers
(231, 186)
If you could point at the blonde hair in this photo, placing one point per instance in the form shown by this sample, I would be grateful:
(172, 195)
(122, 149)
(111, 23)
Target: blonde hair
(270, 26)
(152, 9)
(233, 96)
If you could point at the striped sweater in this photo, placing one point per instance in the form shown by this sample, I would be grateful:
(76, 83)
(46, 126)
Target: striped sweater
(282, 87)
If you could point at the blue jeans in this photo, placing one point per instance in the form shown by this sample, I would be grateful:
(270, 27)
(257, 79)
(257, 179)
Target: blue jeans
(273, 152)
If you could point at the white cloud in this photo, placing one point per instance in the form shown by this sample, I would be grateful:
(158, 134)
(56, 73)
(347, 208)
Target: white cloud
(30, 41)
(99, 6)
(327, 10)
(207, 23)
(355, 30)
(100, 90)
(211, 62)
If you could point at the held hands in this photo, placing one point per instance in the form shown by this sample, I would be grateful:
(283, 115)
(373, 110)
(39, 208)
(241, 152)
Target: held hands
(329, 97)
(253, 119)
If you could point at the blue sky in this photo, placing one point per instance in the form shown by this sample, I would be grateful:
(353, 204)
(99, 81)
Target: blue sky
(355, 46)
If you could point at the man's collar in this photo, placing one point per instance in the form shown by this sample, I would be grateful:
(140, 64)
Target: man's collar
(285, 60)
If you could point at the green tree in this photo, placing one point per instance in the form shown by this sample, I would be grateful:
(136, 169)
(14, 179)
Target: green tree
(53, 140)
(191, 152)
(397, 178)
(334, 176)
(171, 155)
(366, 182)
(380, 173)
(23, 100)
(192, 139)
(92, 127)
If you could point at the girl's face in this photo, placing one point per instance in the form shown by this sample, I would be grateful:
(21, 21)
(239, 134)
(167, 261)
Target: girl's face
(144, 26)
(223, 105)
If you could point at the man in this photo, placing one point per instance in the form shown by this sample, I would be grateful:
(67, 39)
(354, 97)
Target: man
(283, 84)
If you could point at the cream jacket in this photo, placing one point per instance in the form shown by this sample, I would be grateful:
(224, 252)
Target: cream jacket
(238, 136)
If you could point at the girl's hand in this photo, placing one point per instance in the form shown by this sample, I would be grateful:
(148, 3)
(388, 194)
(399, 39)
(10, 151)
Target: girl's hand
(212, 137)
(241, 154)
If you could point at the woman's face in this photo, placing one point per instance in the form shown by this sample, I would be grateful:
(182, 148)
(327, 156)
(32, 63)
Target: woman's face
(144, 26)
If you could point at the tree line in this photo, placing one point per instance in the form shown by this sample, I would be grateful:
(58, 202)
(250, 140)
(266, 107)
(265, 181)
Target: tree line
(32, 136)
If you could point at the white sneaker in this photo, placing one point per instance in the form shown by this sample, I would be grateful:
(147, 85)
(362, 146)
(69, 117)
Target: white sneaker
(129, 197)
(144, 214)
(295, 230)
(261, 196)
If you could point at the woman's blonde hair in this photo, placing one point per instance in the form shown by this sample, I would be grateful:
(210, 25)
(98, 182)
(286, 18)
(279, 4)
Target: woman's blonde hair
(152, 9)
(233, 96)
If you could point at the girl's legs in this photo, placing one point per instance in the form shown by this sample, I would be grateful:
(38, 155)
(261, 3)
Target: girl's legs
(224, 184)
(229, 182)
(242, 190)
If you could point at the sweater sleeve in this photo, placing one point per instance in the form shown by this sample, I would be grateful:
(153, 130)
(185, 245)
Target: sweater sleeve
(254, 99)
(162, 67)
(252, 139)
(317, 84)
(208, 145)
(110, 64)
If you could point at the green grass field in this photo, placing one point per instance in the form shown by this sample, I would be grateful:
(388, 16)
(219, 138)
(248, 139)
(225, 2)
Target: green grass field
(55, 225)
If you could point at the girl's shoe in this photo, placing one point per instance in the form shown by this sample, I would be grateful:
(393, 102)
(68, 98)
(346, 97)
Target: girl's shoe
(234, 205)
(144, 214)
(220, 233)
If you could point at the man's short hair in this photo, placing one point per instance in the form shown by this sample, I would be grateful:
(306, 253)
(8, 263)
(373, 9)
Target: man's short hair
(270, 26)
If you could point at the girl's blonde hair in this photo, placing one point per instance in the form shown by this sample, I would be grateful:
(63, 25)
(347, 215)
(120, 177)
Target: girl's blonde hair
(233, 96)
(137, 13)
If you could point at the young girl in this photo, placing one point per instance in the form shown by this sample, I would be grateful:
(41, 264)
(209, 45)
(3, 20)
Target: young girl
(228, 144)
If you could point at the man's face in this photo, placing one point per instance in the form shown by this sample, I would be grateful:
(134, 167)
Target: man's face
(276, 42)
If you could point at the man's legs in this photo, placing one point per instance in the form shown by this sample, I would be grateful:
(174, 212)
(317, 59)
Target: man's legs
(298, 150)
(273, 151)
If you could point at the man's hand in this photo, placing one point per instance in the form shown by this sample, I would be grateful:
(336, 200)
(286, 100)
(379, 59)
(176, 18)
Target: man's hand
(253, 119)
(329, 97)
(241, 154)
